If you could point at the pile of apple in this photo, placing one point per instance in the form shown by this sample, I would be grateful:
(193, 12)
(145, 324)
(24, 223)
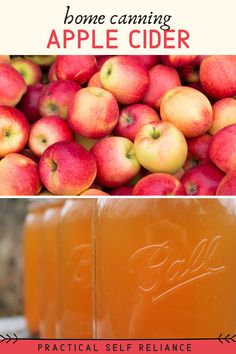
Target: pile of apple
(118, 125)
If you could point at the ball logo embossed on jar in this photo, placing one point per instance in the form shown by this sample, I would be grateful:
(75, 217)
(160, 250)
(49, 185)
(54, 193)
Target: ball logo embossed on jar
(160, 271)
(82, 256)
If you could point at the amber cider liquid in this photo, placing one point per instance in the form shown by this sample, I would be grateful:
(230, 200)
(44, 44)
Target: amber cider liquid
(75, 283)
(32, 266)
(165, 268)
(48, 271)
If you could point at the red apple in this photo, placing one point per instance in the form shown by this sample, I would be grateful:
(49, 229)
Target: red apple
(227, 186)
(77, 68)
(126, 78)
(159, 184)
(12, 85)
(178, 60)
(162, 79)
(56, 97)
(198, 150)
(223, 148)
(188, 109)
(19, 176)
(14, 130)
(224, 114)
(95, 81)
(66, 168)
(29, 104)
(202, 179)
(132, 118)
(218, 76)
(47, 131)
(123, 190)
(116, 161)
(148, 61)
(160, 147)
(30, 71)
(93, 113)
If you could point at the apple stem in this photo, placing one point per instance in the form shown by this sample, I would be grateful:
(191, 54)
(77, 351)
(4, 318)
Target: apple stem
(108, 71)
(155, 134)
(192, 189)
(53, 107)
(6, 133)
(129, 119)
(53, 166)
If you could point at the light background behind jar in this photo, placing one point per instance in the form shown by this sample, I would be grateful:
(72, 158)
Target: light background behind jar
(12, 216)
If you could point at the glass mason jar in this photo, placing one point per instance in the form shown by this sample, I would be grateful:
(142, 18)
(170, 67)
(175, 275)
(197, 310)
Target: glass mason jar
(48, 270)
(31, 260)
(75, 313)
(165, 268)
